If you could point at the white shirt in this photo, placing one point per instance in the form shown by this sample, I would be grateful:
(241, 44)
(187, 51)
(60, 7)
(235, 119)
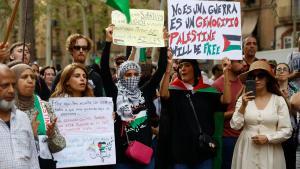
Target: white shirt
(17, 145)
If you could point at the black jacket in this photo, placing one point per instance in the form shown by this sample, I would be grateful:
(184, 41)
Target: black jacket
(148, 92)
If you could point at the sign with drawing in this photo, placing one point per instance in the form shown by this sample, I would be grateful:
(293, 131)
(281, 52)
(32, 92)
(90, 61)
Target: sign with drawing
(88, 127)
(204, 29)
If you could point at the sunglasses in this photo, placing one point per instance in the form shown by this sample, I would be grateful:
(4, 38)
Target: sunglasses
(84, 48)
(259, 75)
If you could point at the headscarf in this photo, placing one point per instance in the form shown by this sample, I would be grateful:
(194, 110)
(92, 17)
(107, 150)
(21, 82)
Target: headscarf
(129, 95)
(22, 102)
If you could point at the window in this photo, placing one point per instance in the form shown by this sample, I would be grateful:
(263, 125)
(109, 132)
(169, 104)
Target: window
(287, 42)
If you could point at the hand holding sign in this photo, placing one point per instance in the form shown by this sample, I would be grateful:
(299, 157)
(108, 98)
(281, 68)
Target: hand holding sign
(109, 33)
(166, 36)
(170, 60)
(226, 63)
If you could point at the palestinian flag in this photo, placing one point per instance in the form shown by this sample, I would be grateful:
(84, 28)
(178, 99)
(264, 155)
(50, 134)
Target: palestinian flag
(120, 5)
(232, 42)
(218, 116)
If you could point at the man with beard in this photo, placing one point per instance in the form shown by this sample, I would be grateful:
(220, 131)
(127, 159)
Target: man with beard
(235, 86)
(79, 46)
(250, 48)
(17, 146)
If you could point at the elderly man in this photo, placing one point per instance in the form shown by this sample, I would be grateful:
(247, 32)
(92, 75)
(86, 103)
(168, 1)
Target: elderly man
(78, 46)
(17, 146)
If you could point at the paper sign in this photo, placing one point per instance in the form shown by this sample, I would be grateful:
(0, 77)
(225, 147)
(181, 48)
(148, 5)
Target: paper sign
(144, 30)
(88, 127)
(204, 29)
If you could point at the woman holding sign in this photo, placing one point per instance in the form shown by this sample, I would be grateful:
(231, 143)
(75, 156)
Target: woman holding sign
(134, 106)
(40, 113)
(73, 82)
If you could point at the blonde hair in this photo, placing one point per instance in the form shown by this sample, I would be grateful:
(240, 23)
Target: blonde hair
(63, 89)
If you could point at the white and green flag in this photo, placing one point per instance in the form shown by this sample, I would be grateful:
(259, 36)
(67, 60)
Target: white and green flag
(120, 5)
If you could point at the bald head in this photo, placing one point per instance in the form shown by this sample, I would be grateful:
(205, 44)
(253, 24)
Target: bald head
(4, 69)
(7, 91)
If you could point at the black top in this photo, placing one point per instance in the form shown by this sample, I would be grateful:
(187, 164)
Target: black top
(178, 136)
(95, 81)
(143, 134)
(41, 89)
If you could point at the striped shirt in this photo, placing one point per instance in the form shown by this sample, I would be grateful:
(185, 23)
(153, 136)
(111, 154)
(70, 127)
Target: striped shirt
(17, 145)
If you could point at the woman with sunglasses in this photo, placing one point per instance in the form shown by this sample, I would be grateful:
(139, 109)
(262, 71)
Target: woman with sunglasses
(133, 104)
(265, 121)
(288, 89)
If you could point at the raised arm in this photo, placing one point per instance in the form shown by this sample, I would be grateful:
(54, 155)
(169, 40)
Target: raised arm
(151, 85)
(108, 83)
(132, 54)
(164, 86)
(226, 96)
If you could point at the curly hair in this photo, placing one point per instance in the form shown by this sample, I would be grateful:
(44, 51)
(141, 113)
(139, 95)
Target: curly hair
(63, 89)
(71, 41)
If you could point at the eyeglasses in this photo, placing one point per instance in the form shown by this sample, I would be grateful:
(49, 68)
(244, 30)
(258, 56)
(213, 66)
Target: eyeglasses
(259, 75)
(84, 48)
(285, 69)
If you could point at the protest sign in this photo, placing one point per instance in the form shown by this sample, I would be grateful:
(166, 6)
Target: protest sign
(88, 127)
(204, 29)
(144, 30)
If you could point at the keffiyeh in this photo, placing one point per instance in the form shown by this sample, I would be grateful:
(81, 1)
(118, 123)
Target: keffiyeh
(129, 95)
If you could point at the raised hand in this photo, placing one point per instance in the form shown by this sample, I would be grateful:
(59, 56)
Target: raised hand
(4, 52)
(166, 36)
(170, 60)
(35, 124)
(226, 63)
(50, 128)
(109, 32)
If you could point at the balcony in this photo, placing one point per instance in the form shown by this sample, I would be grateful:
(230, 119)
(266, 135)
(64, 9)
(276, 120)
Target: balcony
(284, 14)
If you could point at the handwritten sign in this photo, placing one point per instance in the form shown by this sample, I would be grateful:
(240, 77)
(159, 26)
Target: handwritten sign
(144, 30)
(88, 127)
(204, 29)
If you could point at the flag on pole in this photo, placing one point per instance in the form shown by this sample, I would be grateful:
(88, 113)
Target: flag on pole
(140, 55)
(120, 5)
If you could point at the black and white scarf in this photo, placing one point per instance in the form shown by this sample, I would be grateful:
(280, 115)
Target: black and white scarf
(129, 95)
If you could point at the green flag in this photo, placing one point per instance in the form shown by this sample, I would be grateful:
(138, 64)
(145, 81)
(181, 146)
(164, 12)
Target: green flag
(120, 5)
(143, 55)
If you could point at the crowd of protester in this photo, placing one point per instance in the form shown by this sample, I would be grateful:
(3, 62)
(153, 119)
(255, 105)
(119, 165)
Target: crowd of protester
(172, 107)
